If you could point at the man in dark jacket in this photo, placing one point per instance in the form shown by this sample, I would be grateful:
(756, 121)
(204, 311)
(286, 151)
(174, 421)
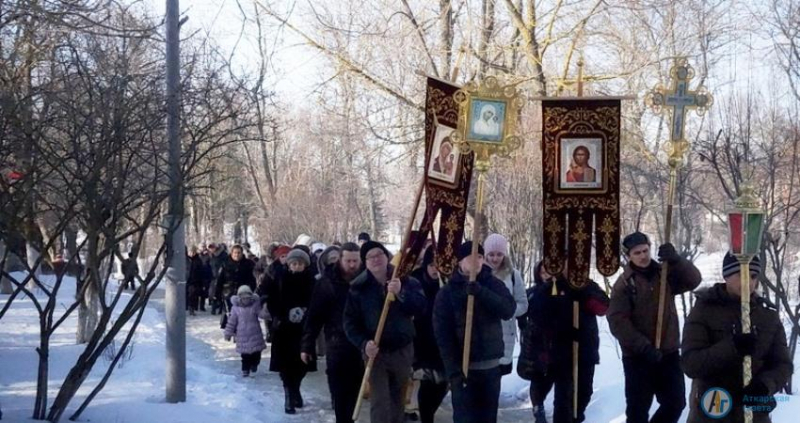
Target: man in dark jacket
(632, 318)
(217, 259)
(345, 367)
(546, 356)
(428, 365)
(392, 367)
(194, 280)
(237, 271)
(714, 348)
(475, 397)
(130, 270)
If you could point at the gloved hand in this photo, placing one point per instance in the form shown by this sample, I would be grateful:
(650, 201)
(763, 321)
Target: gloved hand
(745, 343)
(473, 288)
(756, 396)
(652, 355)
(667, 253)
(458, 379)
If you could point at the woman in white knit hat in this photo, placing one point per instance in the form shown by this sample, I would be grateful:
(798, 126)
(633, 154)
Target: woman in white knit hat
(497, 258)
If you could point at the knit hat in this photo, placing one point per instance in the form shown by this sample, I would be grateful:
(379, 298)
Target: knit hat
(369, 245)
(465, 250)
(730, 265)
(496, 243)
(363, 236)
(298, 255)
(633, 240)
(281, 250)
(244, 290)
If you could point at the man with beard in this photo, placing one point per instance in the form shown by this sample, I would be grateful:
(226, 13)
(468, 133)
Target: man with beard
(392, 366)
(345, 367)
(633, 316)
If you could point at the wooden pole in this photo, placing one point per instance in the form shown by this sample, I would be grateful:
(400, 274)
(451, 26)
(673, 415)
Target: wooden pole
(575, 346)
(747, 363)
(389, 299)
(473, 275)
(662, 286)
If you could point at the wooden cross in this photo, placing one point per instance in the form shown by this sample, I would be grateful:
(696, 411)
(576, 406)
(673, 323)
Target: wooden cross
(679, 99)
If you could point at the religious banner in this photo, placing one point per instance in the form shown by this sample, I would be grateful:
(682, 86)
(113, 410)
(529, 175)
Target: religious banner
(448, 175)
(580, 165)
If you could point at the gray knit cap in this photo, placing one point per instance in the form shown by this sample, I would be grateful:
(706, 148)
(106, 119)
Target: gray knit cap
(298, 255)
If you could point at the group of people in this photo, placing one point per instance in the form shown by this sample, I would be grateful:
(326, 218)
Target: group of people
(340, 290)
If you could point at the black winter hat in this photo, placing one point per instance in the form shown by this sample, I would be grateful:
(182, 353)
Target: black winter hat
(363, 236)
(369, 245)
(633, 240)
(730, 265)
(466, 249)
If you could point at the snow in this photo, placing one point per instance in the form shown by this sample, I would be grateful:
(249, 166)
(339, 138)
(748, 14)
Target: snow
(216, 392)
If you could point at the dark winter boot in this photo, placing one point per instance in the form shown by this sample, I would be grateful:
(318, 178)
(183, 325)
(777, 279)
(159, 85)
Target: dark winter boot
(538, 414)
(288, 405)
(297, 399)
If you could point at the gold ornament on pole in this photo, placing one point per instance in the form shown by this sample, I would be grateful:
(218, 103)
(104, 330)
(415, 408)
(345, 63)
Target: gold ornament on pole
(746, 223)
(679, 100)
(487, 123)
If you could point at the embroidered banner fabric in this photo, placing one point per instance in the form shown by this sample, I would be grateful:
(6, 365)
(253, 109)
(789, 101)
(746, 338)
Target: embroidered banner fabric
(448, 175)
(580, 165)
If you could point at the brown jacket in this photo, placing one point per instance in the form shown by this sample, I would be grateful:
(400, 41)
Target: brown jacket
(710, 358)
(633, 313)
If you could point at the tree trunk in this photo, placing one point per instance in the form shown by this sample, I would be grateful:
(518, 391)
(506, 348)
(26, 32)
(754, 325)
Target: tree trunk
(90, 302)
(40, 403)
(5, 284)
(446, 35)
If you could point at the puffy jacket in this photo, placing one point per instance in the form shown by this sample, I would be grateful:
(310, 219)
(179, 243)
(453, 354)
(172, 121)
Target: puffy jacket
(516, 286)
(493, 304)
(710, 357)
(327, 310)
(243, 324)
(365, 304)
(233, 275)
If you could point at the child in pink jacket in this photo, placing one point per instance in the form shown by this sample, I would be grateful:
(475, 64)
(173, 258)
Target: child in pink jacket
(244, 326)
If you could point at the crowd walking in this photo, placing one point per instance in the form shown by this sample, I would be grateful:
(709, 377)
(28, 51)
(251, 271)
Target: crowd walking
(325, 302)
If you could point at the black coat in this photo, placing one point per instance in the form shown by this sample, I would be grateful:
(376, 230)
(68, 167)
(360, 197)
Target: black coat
(426, 352)
(289, 291)
(195, 271)
(547, 343)
(233, 275)
(493, 304)
(327, 310)
(363, 311)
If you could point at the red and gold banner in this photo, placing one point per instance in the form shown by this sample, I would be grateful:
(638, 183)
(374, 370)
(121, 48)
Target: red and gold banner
(448, 175)
(580, 165)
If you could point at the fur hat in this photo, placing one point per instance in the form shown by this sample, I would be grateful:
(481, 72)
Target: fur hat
(369, 245)
(730, 265)
(298, 255)
(496, 243)
(465, 250)
(633, 240)
(244, 290)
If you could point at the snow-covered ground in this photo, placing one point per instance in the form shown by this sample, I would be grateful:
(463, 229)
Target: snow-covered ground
(217, 392)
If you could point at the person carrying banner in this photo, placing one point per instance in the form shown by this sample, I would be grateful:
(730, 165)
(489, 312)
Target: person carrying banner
(475, 399)
(714, 346)
(632, 317)
(546, 356)
(393, 360)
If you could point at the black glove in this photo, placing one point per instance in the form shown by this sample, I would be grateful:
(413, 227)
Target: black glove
(457, 379)
(652, 355)
(473, 288)
(756, 396)
(745, 343)
(667, 253)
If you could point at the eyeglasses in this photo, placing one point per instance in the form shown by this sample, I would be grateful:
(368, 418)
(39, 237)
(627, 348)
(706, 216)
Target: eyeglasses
(375, 257)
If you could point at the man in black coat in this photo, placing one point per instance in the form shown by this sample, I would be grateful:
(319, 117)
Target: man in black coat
(475, 396)
(428, 365)
(345, 367)
(237, 271)
(392, 367)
